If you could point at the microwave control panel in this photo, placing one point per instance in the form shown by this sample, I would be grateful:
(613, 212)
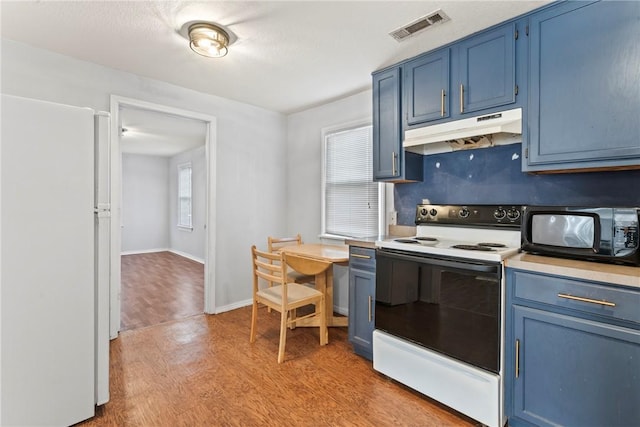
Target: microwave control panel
(625, 230)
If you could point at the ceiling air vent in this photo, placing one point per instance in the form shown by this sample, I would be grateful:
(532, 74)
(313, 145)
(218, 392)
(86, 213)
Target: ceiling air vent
(419, 25)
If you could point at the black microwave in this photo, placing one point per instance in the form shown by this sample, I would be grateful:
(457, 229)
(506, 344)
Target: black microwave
(592, 234)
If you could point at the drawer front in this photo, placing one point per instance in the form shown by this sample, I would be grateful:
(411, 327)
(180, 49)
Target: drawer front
(588, 297)
(363, 258)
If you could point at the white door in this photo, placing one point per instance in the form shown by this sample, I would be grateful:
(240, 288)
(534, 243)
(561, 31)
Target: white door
(47, 250)
(103, 253)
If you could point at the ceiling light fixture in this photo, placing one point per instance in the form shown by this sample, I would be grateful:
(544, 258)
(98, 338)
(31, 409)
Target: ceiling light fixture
(208, 40)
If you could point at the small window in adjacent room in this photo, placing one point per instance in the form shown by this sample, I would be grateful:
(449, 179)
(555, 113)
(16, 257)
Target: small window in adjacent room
(184, 196)
(351, 199)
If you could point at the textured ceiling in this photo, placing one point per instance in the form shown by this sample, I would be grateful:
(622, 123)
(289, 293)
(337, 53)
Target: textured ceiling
(288, 56)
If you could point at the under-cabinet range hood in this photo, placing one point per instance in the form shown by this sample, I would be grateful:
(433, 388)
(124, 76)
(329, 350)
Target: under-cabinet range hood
(500, 128)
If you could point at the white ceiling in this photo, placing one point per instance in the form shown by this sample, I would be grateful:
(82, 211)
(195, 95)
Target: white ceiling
(159, 134)
(288, 56)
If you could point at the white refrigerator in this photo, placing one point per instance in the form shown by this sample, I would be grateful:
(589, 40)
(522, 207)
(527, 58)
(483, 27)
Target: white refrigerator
(54, 262)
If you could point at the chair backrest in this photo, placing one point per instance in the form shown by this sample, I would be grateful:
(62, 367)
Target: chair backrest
(269, 267)
(276, 243)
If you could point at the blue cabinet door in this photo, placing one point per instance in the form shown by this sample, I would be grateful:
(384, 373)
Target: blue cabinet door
(573, 372)
(361, 314)
(487, 70)
(390, 161)
(387, 140)
(362, 291)
(584, 100)
(426, 85)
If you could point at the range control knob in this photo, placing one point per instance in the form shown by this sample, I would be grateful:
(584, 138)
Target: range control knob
(423, 212)
(433, 212)
(499, 213)
(464, 213)
(513, 214)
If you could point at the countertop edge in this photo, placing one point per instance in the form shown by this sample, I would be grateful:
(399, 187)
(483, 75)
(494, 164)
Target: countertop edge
(586, 270)
(395, 231)
(369, 242)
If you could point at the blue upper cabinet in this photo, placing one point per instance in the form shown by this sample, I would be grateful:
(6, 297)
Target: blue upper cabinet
(584, 99)
(387, 139)
(390, 162)
(427, 87)
(483, 67)
(487, 70)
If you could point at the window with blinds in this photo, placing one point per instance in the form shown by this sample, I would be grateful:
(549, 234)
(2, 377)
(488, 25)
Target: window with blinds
(184, 196)
(351, 198)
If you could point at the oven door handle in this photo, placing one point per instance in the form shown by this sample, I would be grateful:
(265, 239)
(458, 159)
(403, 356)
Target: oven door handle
(480, 268)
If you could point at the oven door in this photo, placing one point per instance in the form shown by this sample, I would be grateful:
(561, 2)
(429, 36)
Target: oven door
(449, 305)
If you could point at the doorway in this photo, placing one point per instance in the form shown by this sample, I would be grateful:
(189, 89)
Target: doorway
(193, 243)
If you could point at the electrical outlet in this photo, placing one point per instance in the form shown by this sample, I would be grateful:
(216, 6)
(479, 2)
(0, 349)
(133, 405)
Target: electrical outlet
(393, 218)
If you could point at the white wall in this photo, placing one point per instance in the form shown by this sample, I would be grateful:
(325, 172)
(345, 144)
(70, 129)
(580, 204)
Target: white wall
(252, 144)
(188, 242)
(251, 147)
(145, 203)
(304, 173)
(150, 204)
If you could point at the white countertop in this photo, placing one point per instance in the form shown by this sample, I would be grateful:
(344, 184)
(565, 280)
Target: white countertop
(595, 271)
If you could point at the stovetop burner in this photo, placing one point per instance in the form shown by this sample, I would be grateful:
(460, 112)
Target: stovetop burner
(473, 248)
(493, 245)
(406, 241)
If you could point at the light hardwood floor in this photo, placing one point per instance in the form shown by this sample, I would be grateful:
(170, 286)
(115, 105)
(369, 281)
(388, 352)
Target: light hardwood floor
(159, 287)
(202, 371)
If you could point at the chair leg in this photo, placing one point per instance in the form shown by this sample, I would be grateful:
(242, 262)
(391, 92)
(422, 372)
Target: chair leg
(254, 314)
(293, 315)
(324, 331)
(283, 335)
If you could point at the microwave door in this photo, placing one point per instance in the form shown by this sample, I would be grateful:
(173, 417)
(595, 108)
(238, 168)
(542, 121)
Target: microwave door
(569, 231)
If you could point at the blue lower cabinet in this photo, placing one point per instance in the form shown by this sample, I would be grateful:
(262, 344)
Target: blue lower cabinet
(566, 366)
(362, 291)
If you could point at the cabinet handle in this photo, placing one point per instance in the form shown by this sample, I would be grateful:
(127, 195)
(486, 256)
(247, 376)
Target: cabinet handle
(589, 300)
(461, 98)
(442, 95)
(517, 358)
(370, 301)
(361, 256)
(393, 163)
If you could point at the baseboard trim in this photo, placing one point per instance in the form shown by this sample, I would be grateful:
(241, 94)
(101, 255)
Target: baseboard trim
(186, 255)
(233, 306)
(145, 251)
(152, 251)
(340, 310)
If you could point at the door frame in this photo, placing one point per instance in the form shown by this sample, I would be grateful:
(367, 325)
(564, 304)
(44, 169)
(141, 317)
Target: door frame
(117, 103)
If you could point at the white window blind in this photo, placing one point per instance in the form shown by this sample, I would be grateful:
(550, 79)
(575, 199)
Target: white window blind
(351, 196)
(184, 196)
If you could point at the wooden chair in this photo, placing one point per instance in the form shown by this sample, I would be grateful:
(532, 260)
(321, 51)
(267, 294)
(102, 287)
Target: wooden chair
(274, 244)
(284, 296)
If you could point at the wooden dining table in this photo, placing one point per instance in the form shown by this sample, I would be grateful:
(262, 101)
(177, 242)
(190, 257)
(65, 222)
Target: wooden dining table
(324, 279)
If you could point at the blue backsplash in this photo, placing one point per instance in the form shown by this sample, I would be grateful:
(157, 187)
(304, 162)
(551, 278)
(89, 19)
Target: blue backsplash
(493, 176)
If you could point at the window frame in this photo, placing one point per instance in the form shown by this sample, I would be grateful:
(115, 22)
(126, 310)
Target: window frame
(325, 133)
(180, 225)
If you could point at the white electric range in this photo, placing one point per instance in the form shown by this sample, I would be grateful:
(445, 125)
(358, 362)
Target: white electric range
(439, 313)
